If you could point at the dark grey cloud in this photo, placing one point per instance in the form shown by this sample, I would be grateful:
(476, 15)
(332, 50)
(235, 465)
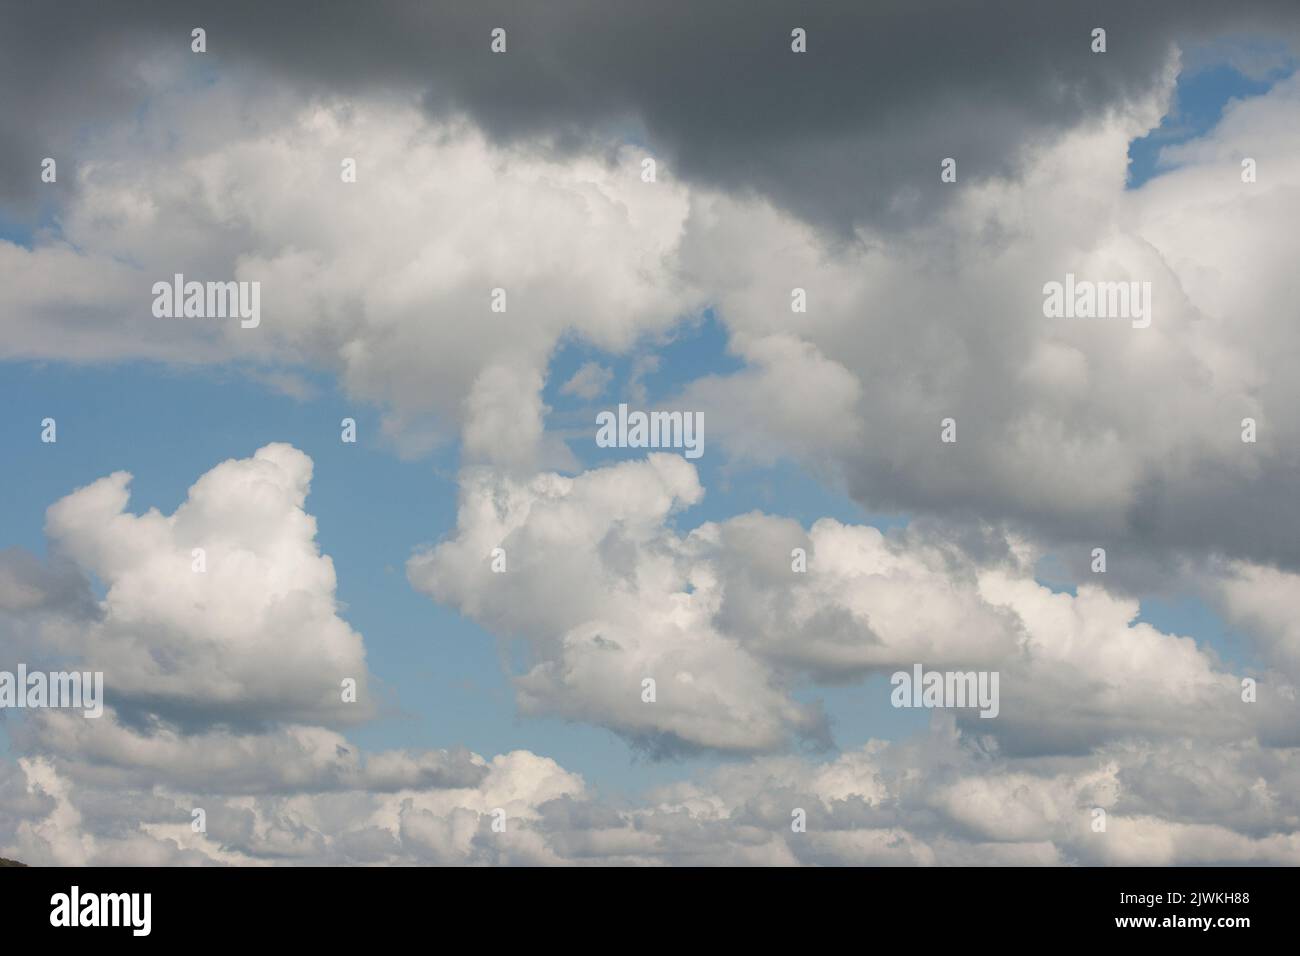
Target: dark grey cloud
(851, 132)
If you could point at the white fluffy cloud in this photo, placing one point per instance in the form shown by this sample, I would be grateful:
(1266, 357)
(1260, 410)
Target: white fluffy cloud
(387, 281)
(254, 636)
(606, 593)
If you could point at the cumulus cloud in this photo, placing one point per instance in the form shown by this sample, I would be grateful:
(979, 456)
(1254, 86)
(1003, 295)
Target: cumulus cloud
(389, 281)
(606, 593)
(1078, 432)
(223, 610)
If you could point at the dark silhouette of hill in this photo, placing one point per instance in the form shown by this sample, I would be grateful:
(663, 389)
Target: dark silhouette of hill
(4, 862)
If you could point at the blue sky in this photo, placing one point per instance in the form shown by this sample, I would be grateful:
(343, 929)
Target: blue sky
(443, 675)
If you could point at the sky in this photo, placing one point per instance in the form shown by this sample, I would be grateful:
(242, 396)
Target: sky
(518, 696)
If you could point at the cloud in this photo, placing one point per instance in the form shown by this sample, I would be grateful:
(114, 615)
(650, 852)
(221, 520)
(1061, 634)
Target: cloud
(934, 799)
(251, 636)
(588, 382)
(1259, 600)
(606, 593)
(790, 402)
(1079, 433)
(353, 278)
(287, 759)
(424, 821)
(603, 593)
(849, 133)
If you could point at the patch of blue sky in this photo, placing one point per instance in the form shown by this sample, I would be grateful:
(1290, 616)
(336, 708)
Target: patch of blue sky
(1187, 615)
(1211, 77)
